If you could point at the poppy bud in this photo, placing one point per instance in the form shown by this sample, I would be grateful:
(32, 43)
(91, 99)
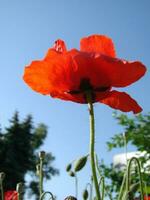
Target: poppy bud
(68, 167)
(70, 198)
(42, 155)
(19, 188)
(85, 194)
(2, 176)
(72, 174)
(79, 164)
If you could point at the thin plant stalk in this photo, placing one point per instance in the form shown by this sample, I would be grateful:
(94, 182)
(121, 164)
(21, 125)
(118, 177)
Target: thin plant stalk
(125, 146)
(102, 179)
(1, 188)
(2, 176)
(41, 177)
(102, 186)
(90, 188)
(76, 185)
(19, 196)
(97, 165)
(92, 144)
(122, 186)
(125, 181)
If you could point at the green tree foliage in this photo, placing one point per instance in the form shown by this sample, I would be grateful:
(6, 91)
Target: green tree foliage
(136, 133)
(19, 146)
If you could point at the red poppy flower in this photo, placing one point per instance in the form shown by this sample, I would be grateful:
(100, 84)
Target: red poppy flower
(146, 197)
(69, 74)
(11, 195)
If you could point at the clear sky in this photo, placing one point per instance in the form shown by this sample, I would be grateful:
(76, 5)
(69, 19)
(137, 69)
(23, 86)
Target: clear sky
(27, 29)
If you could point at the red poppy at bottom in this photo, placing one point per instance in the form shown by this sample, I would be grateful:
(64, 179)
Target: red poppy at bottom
(11, 195)
(71, 74)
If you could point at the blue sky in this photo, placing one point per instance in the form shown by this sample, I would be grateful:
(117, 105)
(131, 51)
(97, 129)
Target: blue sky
(27, 29)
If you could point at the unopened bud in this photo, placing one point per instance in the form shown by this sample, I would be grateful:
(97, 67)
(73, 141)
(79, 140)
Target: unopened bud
(19, 188)
(79, 164)
(2, 176)
(85, 194)
(72, 174)
(70, 198)
(42, 155)
(68, 167)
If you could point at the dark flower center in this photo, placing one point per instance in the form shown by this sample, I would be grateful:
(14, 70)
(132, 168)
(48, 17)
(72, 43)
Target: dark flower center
(86, 86)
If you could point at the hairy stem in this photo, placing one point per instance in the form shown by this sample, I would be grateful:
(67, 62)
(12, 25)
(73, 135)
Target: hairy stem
(92, 145)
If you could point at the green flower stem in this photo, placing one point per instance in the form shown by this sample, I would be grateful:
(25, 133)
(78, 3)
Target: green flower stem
(92, 144)
(122, 186)
(125, 174)
(2, 177)
(76, 185)
(102, 186)
(140, 175)
(1, 188)
(41, 177)
(19, 196)
(90, 188)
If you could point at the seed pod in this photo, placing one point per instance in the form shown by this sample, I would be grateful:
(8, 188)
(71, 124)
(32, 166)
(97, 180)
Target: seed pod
(68, 167)
(79, 164)
(85, 194)
(72, 174)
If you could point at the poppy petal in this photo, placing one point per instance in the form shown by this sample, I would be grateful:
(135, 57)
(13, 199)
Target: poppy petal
(121, 101)
(120, 72)
(11, 195)
(78, 98)
(98, 43)
(37, 77)
(56, 74)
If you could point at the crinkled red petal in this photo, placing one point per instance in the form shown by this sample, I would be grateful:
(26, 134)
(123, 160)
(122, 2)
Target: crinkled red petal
(37, 75)
(98, 43)
(121, 101)
(78, 98)
(120, 72)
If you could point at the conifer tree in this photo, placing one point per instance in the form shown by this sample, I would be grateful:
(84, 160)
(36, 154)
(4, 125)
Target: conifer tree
(19, 146)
